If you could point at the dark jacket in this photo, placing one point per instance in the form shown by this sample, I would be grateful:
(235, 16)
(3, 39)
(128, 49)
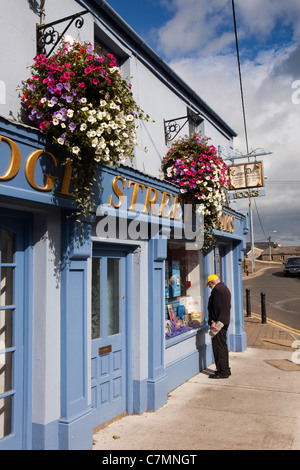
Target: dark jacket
(219, 304)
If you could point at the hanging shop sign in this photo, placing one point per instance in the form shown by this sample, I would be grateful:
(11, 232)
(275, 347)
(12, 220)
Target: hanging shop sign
(245, 176)
(256, 192)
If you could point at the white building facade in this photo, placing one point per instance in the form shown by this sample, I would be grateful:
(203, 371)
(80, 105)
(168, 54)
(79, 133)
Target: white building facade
(83, 324)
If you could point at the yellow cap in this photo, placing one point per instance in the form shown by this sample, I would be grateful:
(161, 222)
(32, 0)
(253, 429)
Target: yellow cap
(210, 278)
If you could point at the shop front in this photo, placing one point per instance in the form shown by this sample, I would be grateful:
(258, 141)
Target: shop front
(142, 221)
(106, 318)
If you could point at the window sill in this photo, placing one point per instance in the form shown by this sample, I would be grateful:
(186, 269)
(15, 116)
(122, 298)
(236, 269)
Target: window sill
(184, 336)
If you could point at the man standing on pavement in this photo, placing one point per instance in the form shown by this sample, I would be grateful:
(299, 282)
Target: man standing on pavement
(219, 304)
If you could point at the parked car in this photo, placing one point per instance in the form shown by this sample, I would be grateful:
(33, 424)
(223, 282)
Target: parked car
(292, 266)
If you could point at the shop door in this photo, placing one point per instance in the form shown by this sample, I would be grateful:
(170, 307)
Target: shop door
(108, 326)
(11, 334)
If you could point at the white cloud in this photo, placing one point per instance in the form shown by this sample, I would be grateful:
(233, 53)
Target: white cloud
(204, 60)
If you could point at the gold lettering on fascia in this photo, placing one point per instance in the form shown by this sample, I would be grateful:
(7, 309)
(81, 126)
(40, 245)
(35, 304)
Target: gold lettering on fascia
(225, 222)
(15, 164)
(168, 208)
(167, 205)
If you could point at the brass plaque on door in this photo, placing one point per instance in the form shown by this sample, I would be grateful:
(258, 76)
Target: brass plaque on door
(105, 350)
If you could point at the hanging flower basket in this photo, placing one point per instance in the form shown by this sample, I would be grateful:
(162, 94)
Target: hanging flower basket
(193, 165)
(78, 97)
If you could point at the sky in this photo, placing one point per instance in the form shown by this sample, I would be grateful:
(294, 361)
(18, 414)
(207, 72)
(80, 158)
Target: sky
(196, 38)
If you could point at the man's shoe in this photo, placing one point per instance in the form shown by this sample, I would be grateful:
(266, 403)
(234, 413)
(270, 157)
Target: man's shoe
(218, 376)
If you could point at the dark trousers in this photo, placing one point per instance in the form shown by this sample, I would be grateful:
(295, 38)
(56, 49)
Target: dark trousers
(220, 350)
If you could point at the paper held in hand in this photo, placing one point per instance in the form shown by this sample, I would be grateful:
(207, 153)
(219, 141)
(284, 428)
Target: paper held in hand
(219, 325)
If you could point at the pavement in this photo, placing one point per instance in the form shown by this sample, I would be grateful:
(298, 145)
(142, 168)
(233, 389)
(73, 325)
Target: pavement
(256, 408)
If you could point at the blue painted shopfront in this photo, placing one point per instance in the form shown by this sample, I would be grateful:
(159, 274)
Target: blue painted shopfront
(88, 307)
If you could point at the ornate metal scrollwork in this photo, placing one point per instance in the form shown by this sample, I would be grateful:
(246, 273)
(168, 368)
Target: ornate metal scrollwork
(172, 128)
(46, 34)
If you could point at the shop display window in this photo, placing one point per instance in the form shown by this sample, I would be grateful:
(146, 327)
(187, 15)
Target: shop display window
(182, 289)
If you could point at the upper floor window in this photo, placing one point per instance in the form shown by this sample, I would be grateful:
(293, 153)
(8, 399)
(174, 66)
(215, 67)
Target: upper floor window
(105, 43)
(196, 123)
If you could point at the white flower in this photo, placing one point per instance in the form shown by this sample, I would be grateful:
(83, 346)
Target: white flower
(63, 125)
(83, 127)
(85, 108)
(91, 134)
(51, 103)
(113, 125)
(102, 143)
(129, 117)
(55, 121)
(103, 103)
(70, 113)
(91, 119)
(83, 100)
(43, 100)
(94, 142)
(60, 141)
(75, 150)
(101, 115)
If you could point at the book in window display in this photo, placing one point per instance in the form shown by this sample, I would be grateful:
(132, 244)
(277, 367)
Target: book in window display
(177, 326)
(175, 279)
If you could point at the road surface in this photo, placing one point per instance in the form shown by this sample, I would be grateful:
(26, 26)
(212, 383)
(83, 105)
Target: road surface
(282, 296)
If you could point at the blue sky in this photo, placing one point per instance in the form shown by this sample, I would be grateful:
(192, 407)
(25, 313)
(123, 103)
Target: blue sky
(196, 38)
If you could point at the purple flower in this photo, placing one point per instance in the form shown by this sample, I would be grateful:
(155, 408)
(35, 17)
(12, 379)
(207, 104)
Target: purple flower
(69, 99)
(67, 86)
(72, 126)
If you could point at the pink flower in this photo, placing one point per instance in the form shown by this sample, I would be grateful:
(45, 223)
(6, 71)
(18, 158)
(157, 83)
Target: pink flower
(81, 84)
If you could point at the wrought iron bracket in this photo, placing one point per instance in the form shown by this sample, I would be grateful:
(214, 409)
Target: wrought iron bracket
(172, 128)
(46, 34)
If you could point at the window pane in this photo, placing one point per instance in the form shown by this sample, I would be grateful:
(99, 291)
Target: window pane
(5, 416)
(7, 246)
(113, 296)
(5, 372)
(6, 286)
(96, 292)
(5, 329)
